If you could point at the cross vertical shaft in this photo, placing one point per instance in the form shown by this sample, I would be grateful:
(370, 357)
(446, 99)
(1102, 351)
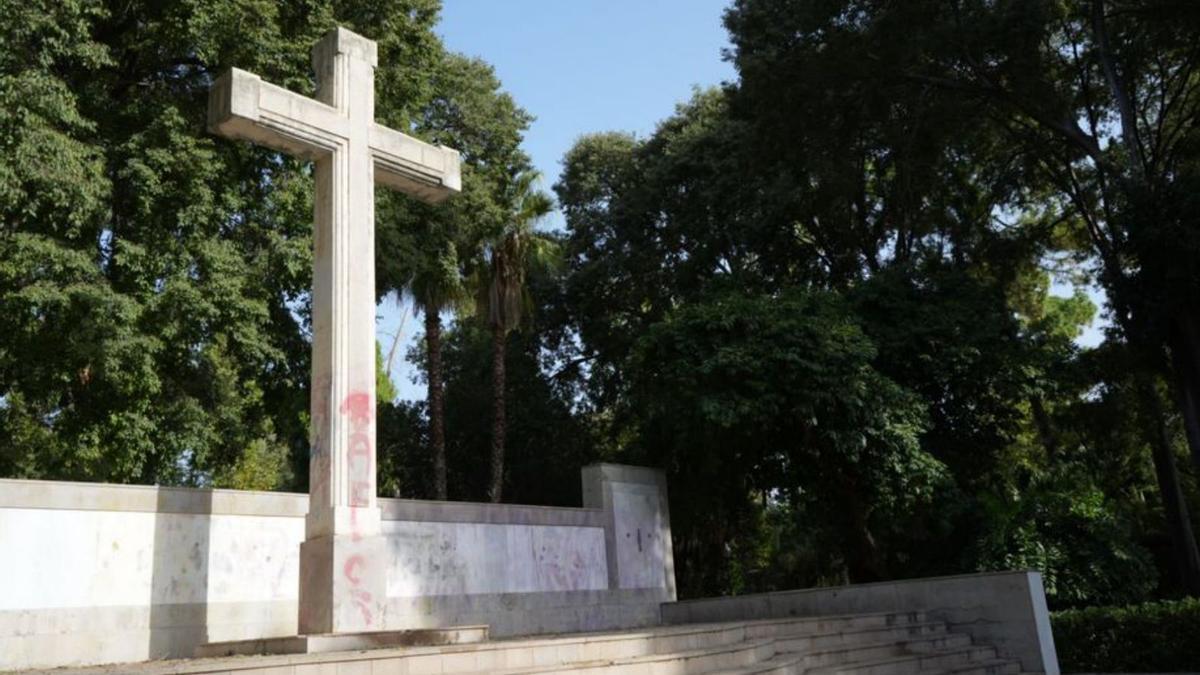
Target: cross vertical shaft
(343, 558)
(342, 471)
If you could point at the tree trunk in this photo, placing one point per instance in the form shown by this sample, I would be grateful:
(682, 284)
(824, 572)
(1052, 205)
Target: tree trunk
(1187, 556)
(1185, 362)
(499, 422)
(1183, 339)
(436, 400)
(864, 560)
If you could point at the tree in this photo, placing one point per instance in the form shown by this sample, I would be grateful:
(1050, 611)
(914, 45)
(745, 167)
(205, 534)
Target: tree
(1060, 500)
(547, 440)
(154, 279)
(178, 353)
(503, 296)
(820, 174)
(403, 465)
(437, 287)
(1077, 117)
(426, 251)
(385, 391)
(742, 396)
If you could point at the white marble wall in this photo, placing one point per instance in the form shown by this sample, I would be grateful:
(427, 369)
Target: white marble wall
(436, 559)
(69, 558)
(97, 573)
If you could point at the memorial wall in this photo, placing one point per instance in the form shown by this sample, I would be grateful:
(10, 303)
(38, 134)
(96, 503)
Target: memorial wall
(97, 573)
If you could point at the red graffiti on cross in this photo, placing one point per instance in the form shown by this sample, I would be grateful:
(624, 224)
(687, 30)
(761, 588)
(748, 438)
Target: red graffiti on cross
(361, 597)
(359, 409)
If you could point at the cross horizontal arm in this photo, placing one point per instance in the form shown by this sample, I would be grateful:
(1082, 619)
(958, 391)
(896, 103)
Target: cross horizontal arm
(241, 105)
(428, 172)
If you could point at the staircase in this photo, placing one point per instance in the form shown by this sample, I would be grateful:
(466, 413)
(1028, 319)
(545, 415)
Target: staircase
(868, 644)
(864, 644)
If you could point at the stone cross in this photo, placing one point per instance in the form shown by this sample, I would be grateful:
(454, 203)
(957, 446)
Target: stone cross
(342, 560)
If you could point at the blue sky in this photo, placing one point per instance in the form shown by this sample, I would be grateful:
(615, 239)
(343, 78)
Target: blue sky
(579, 66)
(582, 66)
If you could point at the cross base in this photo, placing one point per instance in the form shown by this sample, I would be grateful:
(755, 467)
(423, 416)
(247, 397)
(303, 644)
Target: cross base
(343, 584)
(317, 644)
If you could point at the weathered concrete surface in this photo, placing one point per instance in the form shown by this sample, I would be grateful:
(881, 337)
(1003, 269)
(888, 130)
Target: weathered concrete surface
(346, 642)
(905, 642)
(1006, 610)
(114, 573)
(341, 562)
(637, 526)
(447, 559)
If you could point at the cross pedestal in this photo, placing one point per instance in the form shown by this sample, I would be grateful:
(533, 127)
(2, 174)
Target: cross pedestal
(343, 557)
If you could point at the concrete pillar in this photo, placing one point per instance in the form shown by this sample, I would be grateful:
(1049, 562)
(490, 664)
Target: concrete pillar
(637, 527)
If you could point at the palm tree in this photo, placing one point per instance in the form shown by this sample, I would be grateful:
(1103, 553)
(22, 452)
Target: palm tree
(516, 250)
(437, 285)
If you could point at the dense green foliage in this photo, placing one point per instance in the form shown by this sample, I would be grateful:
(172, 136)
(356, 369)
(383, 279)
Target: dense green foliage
(1157, 637)
(900, 157)
(785, 380)
(819, 296)
(154, 278)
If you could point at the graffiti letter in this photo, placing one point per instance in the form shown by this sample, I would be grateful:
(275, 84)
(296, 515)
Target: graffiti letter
(360, 407)
(348, 568)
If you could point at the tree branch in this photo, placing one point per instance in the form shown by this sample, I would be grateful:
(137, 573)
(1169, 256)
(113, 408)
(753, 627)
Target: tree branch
(1118, 89)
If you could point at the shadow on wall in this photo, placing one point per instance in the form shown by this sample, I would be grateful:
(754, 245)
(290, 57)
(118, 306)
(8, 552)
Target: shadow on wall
(178, 618)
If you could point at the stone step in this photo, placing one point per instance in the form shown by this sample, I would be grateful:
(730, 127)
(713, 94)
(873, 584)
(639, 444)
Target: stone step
(989, 667)
(833, 624)
(868, 652)
(702, 660)
(947, 659)
(690, 648)
(537, 651)
(858, 636)
(780, 664)
(755, 656)
(611, 647)
(317, 644)
(791, 664)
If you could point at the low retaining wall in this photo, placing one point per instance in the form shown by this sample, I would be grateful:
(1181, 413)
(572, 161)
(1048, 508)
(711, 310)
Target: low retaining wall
(95, 573)
(1005, 610)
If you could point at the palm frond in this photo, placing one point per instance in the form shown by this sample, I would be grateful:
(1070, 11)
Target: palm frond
(514, 252)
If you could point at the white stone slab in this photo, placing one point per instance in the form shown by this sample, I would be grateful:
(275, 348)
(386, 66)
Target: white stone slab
(96, 573)
(434, 559)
